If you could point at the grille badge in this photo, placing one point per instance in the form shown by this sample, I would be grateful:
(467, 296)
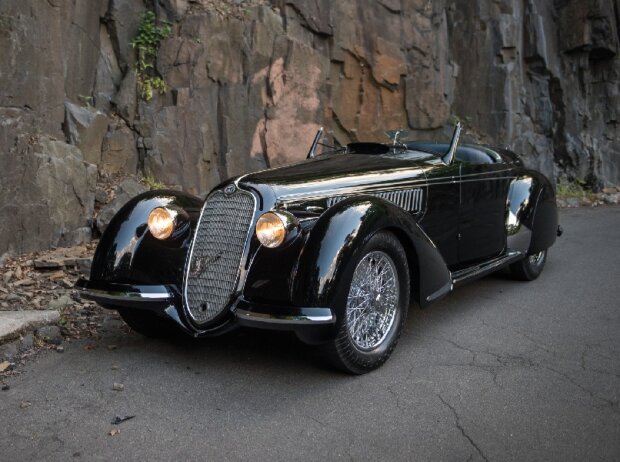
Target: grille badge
(196, 266)
(200, 264)
(230, 189)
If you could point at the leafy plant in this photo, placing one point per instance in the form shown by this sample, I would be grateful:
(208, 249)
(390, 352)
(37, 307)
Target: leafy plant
(87, 100)
(566, 189)
(146, 43)
(151, 183)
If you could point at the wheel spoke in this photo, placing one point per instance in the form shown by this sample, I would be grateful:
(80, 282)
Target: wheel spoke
(372, 300)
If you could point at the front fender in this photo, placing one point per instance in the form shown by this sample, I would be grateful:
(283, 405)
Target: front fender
(127, 252)
(339, 236)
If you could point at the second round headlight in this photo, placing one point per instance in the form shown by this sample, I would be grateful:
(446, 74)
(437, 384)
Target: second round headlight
(271, 230)
(161, 222)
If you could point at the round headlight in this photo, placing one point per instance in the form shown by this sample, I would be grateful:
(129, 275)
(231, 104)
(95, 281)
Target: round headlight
(161, 222)
(270, 230)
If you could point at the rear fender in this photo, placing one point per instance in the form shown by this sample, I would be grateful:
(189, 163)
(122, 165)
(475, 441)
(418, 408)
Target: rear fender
(522, 195)
(531, 214)
(545, 221)
(339, 236)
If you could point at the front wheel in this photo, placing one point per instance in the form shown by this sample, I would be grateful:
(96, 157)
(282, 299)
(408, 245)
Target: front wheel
(530, 267)
(375, 308)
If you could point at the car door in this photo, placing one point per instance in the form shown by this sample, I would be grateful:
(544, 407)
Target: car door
(482, 211)
(441, 219)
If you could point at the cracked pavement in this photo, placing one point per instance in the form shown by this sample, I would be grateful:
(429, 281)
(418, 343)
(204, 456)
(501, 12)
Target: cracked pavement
(498, 370)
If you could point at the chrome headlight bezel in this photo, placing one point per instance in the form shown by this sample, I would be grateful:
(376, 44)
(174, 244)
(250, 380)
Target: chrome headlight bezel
(288, 228)
(162, 222)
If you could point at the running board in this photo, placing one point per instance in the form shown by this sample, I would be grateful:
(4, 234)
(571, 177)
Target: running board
(474, 272)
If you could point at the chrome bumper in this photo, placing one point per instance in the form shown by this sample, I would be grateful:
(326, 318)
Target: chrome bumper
(268, 316)
(125, 294)
(166, 300)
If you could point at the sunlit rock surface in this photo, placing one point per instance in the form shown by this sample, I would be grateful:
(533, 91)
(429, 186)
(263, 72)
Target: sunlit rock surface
(251, 81)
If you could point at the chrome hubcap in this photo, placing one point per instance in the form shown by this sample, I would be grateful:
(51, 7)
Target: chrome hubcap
(372, 301)
(537, 258)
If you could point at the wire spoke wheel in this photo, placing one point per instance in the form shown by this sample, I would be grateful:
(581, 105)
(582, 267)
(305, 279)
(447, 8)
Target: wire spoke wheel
(538, 258)
(371, 307)
(530, 267)
(372, 301)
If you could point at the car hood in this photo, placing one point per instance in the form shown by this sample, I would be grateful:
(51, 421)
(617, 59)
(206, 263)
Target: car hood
(334, 173)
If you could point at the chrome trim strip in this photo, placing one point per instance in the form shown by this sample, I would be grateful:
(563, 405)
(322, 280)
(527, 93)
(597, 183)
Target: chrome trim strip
(456, 180)
(490, 172)
(419, 182)
(458, 277)
(243, 266)
(125, 295)
(441, 292)
(323, 316)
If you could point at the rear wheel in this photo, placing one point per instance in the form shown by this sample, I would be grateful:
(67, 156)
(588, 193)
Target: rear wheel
(375, 307)
(530, 267)
(148, 323)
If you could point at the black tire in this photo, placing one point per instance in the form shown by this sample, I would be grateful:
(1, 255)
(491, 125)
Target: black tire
(147, 323)
(343, 351)
(530, 267)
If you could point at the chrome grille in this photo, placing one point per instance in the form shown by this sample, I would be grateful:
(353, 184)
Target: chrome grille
(409, 199)
(218, 247)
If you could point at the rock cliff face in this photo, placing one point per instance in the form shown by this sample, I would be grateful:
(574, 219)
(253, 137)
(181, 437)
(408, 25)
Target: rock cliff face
(251, 81)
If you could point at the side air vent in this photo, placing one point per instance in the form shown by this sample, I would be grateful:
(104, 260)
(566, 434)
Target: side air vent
(410, 200)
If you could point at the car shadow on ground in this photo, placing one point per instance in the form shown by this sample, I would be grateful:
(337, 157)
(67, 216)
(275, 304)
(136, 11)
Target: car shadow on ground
(258, 349)
(265, 349)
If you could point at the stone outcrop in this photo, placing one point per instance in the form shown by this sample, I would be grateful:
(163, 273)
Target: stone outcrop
(119, 154)
(47, 194)
(250, 81)
(49, 56)
(85, 129)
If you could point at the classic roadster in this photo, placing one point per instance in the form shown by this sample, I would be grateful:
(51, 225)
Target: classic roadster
(333, 248)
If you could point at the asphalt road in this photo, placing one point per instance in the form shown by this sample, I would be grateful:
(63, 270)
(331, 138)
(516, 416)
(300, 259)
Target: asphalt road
(499, 370)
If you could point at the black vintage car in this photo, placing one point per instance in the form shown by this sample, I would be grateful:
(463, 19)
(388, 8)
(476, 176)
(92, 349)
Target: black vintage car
(334, 248)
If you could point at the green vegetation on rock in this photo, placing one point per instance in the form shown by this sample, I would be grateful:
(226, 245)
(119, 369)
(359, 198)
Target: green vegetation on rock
(147, 41)
(566, 189)
(151, 183)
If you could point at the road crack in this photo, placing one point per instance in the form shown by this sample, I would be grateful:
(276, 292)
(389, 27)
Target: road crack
(457, 420)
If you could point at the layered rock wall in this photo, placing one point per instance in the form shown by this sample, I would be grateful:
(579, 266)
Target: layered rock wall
(547, 83)
(251, 81)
